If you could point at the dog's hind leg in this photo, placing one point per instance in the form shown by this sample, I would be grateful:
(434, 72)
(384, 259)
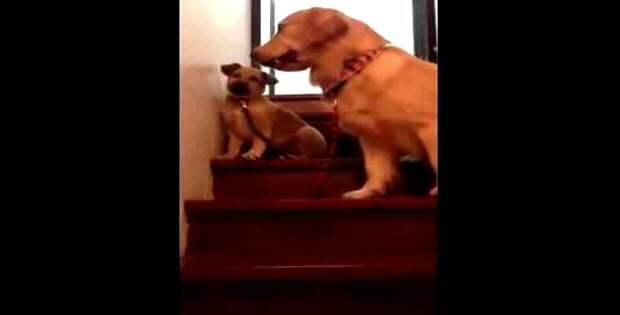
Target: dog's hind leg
(311, 143)
(381, 171)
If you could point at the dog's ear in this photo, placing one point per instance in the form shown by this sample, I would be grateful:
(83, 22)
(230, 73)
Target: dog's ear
(334, 26)
(269, 79)
(331, 25)
(230, 68)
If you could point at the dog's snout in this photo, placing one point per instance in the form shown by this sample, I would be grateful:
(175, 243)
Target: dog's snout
(259, 56)
(239, 88)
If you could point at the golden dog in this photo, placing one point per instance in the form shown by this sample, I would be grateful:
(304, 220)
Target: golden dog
(390, 105)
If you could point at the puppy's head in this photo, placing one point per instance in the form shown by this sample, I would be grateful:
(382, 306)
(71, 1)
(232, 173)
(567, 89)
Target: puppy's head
(246, 82)
(301, 37)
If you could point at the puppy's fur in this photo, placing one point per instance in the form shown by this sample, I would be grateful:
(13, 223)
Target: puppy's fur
(286, 131)
(391, 105)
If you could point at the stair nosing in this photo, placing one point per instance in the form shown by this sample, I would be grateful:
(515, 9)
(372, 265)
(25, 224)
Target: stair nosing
(421, 203)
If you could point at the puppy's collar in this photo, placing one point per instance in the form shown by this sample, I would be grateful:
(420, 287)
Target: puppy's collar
(237, 98)
(351, 67)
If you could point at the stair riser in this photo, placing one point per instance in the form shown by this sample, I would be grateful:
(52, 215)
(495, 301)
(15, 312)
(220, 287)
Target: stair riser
(309, 297)
(285, 238)
(417, 178)
(301, 232)
(285, 183)
(346, 147)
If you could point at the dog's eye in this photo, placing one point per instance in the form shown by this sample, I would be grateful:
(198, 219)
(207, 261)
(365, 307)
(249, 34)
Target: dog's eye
(253, 78)
(280, 27)
(236, 75)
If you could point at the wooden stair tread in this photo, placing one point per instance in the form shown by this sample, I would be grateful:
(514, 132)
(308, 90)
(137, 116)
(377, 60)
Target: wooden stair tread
(240, 163)
(417, 204)
(215, 267)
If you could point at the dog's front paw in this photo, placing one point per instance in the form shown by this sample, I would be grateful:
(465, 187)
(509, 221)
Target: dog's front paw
(363, 193)
(433, 191)
(251, 155)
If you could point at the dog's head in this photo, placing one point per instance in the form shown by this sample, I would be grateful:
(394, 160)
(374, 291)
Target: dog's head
(301, 37)
(246, 81)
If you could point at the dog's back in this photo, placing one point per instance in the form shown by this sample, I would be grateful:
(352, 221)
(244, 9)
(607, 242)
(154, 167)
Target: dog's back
(392, 98)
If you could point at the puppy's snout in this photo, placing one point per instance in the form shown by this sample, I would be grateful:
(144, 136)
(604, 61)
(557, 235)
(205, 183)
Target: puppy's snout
(239, 88)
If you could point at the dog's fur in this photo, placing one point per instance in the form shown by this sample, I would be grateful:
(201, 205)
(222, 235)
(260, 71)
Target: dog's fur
(391, 105)
(286, 131)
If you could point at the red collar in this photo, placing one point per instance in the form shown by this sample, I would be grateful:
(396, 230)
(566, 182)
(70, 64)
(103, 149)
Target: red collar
(351, 67)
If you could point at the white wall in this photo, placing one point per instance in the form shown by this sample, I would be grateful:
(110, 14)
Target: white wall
(212, 32)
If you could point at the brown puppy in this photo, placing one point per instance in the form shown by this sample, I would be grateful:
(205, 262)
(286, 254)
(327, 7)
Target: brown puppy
(282, 127)
(391, 104)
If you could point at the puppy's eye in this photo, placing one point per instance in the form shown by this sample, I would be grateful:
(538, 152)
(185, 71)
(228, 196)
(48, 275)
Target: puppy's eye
(253, 78)
(236, 75)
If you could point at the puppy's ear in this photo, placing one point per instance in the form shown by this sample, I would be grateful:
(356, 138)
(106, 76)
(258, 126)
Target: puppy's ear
(269, 79)
(230, 68)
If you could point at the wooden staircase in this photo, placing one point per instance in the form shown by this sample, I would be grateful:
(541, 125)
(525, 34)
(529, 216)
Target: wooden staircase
(282, 224)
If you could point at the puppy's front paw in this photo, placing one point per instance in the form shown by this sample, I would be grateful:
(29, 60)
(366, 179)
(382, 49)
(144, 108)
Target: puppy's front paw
(251, 155)
(433, 191)
(363, 193)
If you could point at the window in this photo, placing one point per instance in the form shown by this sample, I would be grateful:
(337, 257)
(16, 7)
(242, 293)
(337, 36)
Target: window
(392, 19)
